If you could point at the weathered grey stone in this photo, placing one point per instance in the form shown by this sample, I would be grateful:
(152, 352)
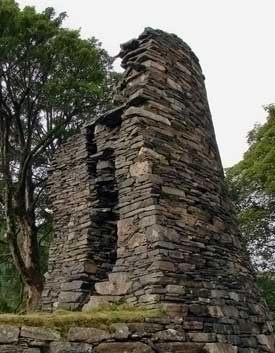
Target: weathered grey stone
(140, 168)
(179, 347)
(120, 331)
(142, 215)
(173, 191)
(169, 335)
(98, 301)
(138, 330)
(267, 342)
(175, 289)
(198, 309)
(202, 337)
(119, 347)
(219, 348)
(87, 334)
(155, 65)
(10, 348)
(147, 114)
(118, 285)
(39, 333)
(8, 334)
(230, 311)
(90, 267)
(60, 347)
(75, 285)
(145, 151)
(71, 297)
(215, 311)
(66, 347)
(193, 325)
(175, 310)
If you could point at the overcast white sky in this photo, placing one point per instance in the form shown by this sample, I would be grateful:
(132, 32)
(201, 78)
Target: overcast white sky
(234, 40)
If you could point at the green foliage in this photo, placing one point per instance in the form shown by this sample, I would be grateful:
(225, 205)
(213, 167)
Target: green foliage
(251, 183)
(51, 82)
(10, 288)
(267, 284)
(50, 65)
(10, 282)
(257, 169)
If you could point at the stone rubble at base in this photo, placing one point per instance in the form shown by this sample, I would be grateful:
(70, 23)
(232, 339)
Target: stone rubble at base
(142, 215)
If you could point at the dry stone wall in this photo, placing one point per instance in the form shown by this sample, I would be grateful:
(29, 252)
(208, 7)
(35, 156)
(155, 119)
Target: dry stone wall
(83, 192)
(142, 337)
(155, 198)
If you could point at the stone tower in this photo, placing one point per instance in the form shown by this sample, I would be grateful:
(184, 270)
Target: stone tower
(141, 211)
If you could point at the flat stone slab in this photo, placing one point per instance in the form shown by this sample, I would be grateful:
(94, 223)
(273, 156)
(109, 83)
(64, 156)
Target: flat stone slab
(220, 348)
(66, 347)
(97, 301)
(10, 348)
(8, 334)
(178, 347)
(87, 334)
(120, 331)
(124, 347)
(39, 333)
(169, 335)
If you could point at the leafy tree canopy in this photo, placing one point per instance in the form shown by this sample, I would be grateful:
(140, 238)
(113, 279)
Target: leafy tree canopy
(257, 169)
(51, 81)
(252, 187)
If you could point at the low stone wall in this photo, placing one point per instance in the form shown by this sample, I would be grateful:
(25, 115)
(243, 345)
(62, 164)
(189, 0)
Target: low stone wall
(153, 335)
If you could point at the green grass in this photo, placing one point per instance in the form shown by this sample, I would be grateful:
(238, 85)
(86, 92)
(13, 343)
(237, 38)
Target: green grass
(62, 320)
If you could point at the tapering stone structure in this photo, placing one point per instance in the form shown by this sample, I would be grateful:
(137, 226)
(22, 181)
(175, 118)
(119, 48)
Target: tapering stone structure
(141, 210)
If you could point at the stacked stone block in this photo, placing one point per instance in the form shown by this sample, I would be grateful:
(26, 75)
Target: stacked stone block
(173, 228)
(83, 192)
(135, 337)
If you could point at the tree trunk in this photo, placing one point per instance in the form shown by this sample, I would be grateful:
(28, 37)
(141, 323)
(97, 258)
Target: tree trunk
(30, 252)
(25, 215)
(26, 259)
(25, 251)
(34, 292)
